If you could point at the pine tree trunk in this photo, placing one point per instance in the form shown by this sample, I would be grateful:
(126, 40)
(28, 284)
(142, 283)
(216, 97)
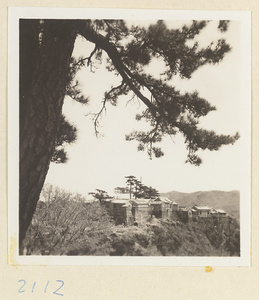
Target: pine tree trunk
(44, 66)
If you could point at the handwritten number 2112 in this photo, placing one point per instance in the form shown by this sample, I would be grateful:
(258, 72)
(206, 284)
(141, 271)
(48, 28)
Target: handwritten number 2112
(22, 290)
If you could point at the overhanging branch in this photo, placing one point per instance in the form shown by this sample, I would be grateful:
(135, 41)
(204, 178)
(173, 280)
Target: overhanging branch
(87, 32)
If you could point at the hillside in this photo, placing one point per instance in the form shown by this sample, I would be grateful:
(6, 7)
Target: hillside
(228, 201)
(67, 225)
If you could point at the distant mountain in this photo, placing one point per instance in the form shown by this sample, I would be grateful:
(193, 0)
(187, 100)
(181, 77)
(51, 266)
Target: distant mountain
(228, 201)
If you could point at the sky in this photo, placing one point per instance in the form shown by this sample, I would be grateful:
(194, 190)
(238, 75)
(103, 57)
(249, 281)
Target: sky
(104, 162)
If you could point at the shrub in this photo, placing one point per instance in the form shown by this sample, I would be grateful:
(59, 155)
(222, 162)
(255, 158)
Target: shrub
(65, 225)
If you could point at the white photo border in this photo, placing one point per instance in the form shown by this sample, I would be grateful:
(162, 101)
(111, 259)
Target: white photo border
(15, 13)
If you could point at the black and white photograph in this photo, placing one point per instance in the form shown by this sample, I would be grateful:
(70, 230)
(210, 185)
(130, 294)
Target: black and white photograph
(129, 136)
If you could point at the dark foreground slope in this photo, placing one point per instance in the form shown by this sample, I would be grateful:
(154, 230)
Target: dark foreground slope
(206, 237)
(78, 229)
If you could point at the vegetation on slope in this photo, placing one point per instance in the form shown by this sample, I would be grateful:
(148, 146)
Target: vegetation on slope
(157, 237)
(64, 224)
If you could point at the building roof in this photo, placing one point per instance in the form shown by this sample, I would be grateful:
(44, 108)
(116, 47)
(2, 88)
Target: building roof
(120, 201)
(182, 208)
(122, 196)
(140, 201)
(202, 207)
(221, 211)
(156, 202)
(163, 199)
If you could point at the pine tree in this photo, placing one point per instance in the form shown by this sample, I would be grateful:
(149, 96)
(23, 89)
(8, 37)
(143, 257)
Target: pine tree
(47, 73)
(101, 195)
(131, 180)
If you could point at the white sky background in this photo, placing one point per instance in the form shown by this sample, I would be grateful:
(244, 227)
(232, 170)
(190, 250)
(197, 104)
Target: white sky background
(104, 162)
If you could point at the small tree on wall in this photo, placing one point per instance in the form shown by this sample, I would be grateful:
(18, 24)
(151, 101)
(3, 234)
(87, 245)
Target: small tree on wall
(101, 195)
(139, 190)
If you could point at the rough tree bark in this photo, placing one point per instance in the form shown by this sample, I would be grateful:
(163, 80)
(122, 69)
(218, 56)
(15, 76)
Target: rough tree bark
(45, 52)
